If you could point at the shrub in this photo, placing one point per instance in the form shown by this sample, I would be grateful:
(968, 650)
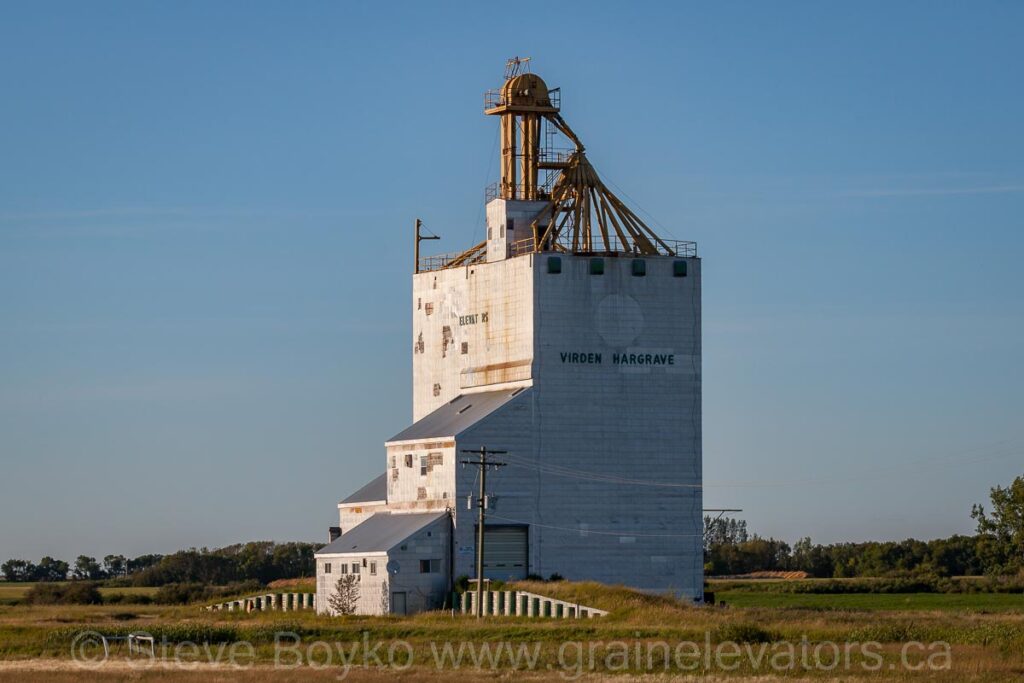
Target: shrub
(77, 593)
(126, 598)
(185, 593)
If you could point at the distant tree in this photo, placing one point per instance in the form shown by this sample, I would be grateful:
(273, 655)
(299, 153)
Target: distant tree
(18, 570)
(87, 568)
(256, 561)
(115, 565)
(1002, 530)
(50, 569)
(346, 594)
(955, 556)
(294, 560)
(724, 531)
(137, 564)
(811, 558)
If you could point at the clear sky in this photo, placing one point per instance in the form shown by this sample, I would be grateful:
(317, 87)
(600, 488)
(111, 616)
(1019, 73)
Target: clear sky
(205, 254)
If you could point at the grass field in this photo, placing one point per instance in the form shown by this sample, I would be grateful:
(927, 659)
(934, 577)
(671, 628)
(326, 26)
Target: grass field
(978, 602)
(984, 632)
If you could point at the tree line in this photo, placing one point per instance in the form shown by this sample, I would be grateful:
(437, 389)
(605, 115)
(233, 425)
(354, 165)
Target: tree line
(262, 561)
(997, 548)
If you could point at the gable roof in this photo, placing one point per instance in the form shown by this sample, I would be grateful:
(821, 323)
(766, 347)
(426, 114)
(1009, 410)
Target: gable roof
(380, 533)
(374, 491)
(457, 415)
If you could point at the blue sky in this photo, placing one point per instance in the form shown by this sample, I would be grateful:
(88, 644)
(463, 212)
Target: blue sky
(205, 212)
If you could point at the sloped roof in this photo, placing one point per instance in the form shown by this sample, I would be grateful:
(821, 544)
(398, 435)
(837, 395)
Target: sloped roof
(380, 533)
(376, 490)
(457, 415)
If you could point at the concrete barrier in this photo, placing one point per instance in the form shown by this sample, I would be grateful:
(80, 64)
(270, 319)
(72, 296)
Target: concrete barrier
(523, 603)
(268, 601)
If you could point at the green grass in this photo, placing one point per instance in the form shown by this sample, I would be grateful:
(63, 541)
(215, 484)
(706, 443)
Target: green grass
(972, 602)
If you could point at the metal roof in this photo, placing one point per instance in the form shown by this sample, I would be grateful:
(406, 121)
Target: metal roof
(457, 415)
(376, 490)
(380, 533)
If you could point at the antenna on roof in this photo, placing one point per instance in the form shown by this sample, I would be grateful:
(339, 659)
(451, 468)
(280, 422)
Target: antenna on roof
(516, 65)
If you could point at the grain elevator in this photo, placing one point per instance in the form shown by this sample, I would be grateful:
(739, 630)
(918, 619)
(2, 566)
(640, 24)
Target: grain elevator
(571, 339)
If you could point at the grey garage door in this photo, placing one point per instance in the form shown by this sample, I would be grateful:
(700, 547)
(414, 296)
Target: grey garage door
(505, 552)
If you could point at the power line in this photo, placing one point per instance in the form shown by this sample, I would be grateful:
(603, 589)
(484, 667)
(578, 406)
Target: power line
(875, 473)
(482, 464)
(595, 531)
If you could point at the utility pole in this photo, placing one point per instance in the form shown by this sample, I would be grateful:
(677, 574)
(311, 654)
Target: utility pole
(419, 238)
(481, 504)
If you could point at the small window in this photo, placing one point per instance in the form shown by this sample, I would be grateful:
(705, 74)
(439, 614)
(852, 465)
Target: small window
(502, 229)
(639, 267)
(408, 459)
(679, 268)
(421, 493)
(511, 224)
(430, 566)
(597, 266)
(327, 567)
(373, 569)
(490, 233)
(355, 567)
(393, 463)
(465, 348)
(437, 392)
(554, 264)
(419, 303)
(343, 568)
(424, 465)
(364, 561)
(428, 308)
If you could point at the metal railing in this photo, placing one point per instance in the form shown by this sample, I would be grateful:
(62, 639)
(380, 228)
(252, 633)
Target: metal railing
(493, 191)
(564, 242)
(439, 261)
(496, 98)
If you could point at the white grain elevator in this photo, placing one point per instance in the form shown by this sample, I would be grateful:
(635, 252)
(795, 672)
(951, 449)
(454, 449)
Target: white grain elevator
(570, 338)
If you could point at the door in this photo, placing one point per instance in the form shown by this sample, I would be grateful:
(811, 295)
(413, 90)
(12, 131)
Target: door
(398, 603)
(506, 550)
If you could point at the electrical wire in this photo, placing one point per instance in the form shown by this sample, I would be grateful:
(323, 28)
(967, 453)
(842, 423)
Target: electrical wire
(635, 203)
(581, 530)
(876, 472)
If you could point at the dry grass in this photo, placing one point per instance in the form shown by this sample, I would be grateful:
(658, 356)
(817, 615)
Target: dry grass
(307, 585)
(35, 641)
